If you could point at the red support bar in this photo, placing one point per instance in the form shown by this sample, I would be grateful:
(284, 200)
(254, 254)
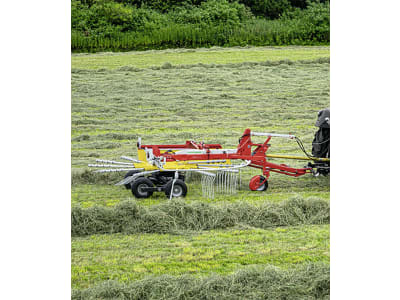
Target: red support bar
(188, 145)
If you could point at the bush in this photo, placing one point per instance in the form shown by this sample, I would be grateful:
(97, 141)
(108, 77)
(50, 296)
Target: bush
(315, 20)
(106, 18)
(111, 26)
(225, 13)
(159, 5)
(211, 12)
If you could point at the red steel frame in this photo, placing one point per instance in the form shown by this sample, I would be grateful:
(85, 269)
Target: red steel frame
(243, 152)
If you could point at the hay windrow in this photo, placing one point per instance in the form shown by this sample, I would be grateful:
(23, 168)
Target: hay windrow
(177, 216)
(309, 281)
(168, 65)
(89, 177)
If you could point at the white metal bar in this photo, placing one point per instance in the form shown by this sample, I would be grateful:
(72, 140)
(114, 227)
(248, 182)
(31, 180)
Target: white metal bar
(113, 162)
(130, 159)
(206, 161)
(290, 136)
(205, 173)
(214, 165)
(115, 170)
(107, 166)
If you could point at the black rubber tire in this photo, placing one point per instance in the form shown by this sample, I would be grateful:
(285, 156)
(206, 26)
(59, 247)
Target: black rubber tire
(136, 187)
(264, 186)
(180, 188)
(130, 173)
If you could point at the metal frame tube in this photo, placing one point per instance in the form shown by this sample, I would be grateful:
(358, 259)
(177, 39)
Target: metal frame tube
(289, 136)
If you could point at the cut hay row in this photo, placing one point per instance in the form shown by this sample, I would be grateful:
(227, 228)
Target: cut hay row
(176, 216)
(90, 177)
(168, 65)
(309, 281)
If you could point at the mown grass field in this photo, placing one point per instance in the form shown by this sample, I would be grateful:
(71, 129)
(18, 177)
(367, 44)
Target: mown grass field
(209, 95)
(216, 55)
(130, 257)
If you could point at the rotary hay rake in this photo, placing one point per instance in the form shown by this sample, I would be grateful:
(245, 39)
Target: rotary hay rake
(162, 168)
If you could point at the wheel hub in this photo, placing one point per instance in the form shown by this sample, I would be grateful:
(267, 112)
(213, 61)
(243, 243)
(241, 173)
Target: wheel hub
(177, 191)
(140, 189)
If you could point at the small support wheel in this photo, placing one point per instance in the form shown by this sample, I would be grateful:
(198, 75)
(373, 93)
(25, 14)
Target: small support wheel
(139, 185)
(178, 190)
(258, 183)
(130, 173)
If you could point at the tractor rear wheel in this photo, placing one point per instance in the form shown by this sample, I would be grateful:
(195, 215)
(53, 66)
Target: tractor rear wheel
(258, 183)
(139, 185)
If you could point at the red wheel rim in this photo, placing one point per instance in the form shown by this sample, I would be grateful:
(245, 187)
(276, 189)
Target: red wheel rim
(255, 182)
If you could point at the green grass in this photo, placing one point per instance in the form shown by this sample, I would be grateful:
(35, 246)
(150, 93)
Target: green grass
(87, 195)
(281, 188)
(216, 55)
(127, 258)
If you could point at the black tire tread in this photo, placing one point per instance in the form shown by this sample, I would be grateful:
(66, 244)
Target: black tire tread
(265, 184)
(135, 185)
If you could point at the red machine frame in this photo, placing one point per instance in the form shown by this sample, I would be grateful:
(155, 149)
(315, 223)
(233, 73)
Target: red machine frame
(257, 157)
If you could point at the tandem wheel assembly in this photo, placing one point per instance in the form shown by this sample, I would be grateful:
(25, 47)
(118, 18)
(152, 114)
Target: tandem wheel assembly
(143, 187)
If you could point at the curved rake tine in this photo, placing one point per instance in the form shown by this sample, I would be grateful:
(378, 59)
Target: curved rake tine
(113, 162)
(106, 166)
(115, 170)
(130, 159)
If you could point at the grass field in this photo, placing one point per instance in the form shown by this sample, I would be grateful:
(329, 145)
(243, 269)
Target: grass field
(131, 257)
(215, 55)
(209, 95)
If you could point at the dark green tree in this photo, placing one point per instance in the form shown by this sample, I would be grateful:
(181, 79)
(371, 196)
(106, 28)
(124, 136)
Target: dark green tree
(269, 9)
